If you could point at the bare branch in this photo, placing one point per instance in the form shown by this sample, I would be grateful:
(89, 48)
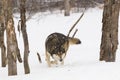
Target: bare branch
(75, 24)
(74, 33)
(39, 58)
(19, 26)
(97, 4)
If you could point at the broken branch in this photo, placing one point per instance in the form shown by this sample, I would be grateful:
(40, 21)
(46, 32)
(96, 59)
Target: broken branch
(39, 58)
(74, 33)
(75, 24)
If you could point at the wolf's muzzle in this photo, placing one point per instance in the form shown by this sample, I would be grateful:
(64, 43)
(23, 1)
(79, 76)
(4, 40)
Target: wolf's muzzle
(79, 42)
(61, 60)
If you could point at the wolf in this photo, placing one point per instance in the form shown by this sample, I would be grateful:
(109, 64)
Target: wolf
(56, 47)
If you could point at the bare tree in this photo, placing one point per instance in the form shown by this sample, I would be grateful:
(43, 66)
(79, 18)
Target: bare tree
(2, 29)
(67, 7)
(25, 37)
(109, 41)
(2, 45)
(12, 47)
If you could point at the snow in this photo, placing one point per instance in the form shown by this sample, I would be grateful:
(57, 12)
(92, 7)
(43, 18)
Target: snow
(82, 61)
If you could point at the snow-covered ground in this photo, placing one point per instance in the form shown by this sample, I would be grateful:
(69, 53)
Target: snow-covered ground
(82, 61)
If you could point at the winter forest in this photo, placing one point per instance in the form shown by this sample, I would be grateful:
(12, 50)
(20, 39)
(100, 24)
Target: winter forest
(59, 40)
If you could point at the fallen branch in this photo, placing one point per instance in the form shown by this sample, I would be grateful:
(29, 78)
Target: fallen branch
(74, 33)
(19, 26)
(39, 58)
(75, 24)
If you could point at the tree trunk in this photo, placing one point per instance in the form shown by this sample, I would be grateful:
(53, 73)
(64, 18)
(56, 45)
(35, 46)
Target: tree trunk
(2, 29)
(67, 7)
(109, 41)
(2, 45)
(25, 37)
(12, 47)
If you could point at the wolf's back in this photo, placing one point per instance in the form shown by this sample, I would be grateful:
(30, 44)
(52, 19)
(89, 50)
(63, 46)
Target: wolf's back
(54, 42)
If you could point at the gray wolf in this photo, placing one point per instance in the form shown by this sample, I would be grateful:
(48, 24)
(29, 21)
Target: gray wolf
(56, 47)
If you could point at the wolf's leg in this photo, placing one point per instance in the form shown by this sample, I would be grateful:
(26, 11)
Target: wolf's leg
(54, 62)
(48, 59)
(62, 63)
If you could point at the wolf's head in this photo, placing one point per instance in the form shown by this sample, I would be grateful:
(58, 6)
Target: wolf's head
(59, 56)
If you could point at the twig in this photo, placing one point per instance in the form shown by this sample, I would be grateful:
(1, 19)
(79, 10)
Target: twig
(39, 58)
(74, 33)
(75, 24)
(19, 26)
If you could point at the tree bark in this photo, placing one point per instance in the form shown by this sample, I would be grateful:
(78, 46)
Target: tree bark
(25, 37)
(8, 15)
(2, 29)
(12, 47)
(109, 41)
(67, 7)
(2, 45)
